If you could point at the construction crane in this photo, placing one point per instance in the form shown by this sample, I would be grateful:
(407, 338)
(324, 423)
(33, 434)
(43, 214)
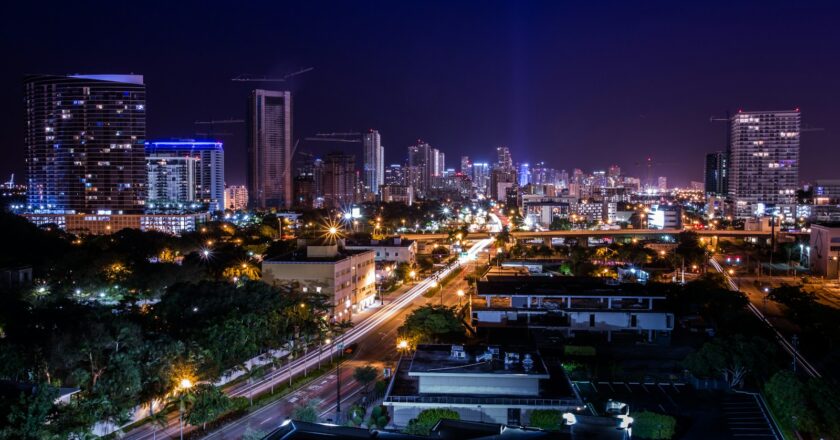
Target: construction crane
(213, 133)
(247, 77)
(220, 121)
(348, 137)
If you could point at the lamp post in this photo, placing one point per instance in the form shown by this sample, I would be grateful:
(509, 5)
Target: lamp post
(328, 341)
(460, 294)
(435, 284)
(185, 384)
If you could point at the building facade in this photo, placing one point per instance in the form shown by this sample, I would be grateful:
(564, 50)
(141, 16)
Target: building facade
(209, 176)
(270, 149)
(764, 161)
(84, 140)
(349, 277)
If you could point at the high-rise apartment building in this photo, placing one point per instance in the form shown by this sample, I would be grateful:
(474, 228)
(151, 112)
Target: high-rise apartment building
(374, 165)
(717, 174)
(395, 174)
(270, 148)
(764, 161)
(340, 180)
(236, 197)
(84, 141)
(209, 176)
(171, 182)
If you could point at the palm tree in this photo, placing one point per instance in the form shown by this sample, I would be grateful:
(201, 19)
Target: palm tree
(158, 420)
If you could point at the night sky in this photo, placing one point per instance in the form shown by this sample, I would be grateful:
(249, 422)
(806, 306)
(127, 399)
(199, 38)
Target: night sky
(575, 84)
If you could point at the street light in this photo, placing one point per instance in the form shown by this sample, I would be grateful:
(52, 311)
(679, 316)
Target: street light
(460, 294)
(185, 384)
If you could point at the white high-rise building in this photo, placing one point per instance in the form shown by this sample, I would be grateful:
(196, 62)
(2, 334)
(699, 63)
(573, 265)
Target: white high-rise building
(171, 181)
(208, 177)
(764, 161)
(374, 161)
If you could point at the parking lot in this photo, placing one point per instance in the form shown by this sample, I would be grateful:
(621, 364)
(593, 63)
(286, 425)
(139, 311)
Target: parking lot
(700, 414)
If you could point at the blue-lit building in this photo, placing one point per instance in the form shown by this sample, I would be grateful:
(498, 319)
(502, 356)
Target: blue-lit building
(84, 139)
(185, 172)
(524, 174)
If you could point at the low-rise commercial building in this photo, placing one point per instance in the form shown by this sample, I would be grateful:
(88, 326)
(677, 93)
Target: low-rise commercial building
(347, 276)
(107, 223)
(572, 304)
(392, 249)
(482, 383)
(825, 250)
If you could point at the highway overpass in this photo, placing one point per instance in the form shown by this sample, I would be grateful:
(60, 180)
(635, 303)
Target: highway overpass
(581, 233)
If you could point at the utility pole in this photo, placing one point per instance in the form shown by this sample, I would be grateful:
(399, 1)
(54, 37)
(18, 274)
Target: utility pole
(338, 393)
(795, 341)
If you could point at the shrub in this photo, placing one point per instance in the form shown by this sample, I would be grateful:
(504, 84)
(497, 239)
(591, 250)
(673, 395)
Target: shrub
(428, 418)
(579, 350)
(548, 419)
(653, 425)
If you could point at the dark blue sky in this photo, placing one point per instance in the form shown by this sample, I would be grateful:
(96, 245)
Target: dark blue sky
(576, 84)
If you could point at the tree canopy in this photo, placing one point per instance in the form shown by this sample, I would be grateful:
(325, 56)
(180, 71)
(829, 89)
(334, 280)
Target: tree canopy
(433, 324)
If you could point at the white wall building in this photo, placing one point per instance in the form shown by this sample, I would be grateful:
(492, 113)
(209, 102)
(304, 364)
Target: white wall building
(393, 249)
(347, 276)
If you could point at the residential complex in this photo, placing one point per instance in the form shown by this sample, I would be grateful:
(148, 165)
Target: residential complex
(84, 142)
(764, 162)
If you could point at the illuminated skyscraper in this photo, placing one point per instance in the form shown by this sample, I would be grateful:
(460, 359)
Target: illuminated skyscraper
(270, 149)
(84, 140)
(764, 162)
(374, 161)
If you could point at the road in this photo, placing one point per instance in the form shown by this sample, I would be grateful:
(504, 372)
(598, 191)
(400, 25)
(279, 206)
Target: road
(376, 336)
(786, 345)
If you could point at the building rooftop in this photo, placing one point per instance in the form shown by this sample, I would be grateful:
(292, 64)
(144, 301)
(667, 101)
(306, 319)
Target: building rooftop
(324, 253)
(556, 286)
(470, 359)
(122, 78)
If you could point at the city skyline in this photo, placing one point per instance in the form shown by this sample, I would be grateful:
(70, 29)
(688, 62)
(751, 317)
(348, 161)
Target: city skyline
(640, 121)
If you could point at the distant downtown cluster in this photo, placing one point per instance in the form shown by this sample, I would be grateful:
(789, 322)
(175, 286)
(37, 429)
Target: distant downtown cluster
(91, 169)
